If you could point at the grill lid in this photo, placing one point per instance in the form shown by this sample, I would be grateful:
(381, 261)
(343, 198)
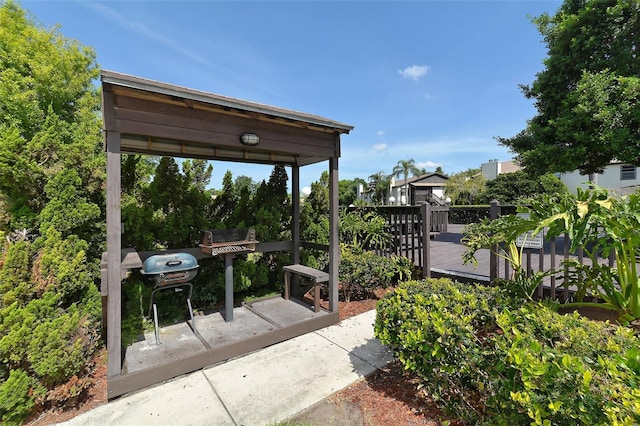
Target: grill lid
(173, 262)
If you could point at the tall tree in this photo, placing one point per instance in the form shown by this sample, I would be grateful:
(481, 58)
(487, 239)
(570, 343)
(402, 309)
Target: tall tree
(222, 207)
(379, 187)
(271, 206)
(52, 169)
(348, 191)
(511, 188)
(245, 182)
(464, 188)
(314, 222)
(587, 96)
(405, 168)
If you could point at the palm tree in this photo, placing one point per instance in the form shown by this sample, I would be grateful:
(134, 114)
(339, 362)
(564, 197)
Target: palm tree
(379, 186)
(404, 167)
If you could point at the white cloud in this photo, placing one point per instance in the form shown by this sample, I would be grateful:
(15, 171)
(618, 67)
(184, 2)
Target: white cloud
(380, 146)
(427, 165)
(380, 133)
(414, 72)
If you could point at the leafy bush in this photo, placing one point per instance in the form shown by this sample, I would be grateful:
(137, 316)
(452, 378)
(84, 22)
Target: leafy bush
(361, 272)
(599, 223)
(60, 347)
(364, 229)
(18, 397)
(490, 358)
(14, 274)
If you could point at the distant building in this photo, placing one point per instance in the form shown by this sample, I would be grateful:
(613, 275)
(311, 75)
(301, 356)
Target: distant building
(493, 168)
(429, 188)
(618, 177)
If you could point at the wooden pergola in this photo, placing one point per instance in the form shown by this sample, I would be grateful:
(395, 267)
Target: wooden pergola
(142, 116)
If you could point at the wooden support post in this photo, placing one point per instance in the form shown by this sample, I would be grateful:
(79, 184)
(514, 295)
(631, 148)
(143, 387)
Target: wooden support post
(334, 246)
(114, 282)
(425, 211)
(295, 214)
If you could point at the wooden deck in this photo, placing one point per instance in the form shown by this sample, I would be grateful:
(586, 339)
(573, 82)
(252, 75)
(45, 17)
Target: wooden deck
(446, 260)
(446, 257)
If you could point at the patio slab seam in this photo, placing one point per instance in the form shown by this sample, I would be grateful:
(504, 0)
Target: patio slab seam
(215, 392)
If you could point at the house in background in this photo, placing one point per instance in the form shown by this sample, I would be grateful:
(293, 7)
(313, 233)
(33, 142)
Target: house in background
(618, 177)
(425, 188)
(493, 168)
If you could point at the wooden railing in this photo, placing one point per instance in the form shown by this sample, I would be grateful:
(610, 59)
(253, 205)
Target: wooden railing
(548, 258)
(411, 228)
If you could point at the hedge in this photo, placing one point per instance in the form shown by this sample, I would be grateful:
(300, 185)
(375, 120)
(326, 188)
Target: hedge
(488, 358)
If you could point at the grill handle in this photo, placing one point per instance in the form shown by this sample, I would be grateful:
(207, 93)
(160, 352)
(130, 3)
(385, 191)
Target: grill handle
(174, 263)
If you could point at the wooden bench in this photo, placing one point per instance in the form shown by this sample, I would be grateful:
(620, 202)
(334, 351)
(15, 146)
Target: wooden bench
(318, 277)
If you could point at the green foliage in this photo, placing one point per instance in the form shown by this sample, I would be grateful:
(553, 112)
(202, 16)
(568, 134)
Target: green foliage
(68, 210)
(59, 347)
(249, 275)
(49, 343)
(48, 111)
(512, 188)
(594, 221)
(599, 224)
(488, 358)
(52, 169)
(465, 187)
(15, 279)
(314, 222)
(135, 303)
(587, 96)
(222, 208)
(361, 272)
(18, 397)
(499, 236)
(348, 191)
(363, 229)
(62, 266)
(271, 207)
(379, 186)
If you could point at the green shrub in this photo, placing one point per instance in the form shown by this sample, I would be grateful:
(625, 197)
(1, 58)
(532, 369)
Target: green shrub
(361, 272)
(15, 282)
(364, 229)
(489, 358)
(18, 397)
(49, 345)
(60, 347)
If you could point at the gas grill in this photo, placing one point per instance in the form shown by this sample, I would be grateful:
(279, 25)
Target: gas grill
(170, 272)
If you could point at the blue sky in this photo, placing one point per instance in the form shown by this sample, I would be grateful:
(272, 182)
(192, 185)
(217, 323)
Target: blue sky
(433, 81)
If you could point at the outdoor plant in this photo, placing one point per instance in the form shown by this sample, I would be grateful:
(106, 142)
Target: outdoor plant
(500, 237)
(600, 224)
(488, 358)
(364, 230)
(361, 272)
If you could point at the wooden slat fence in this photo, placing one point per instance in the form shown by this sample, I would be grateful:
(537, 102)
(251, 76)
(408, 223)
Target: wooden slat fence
(408, 228)
(408, 225)
(548, 258)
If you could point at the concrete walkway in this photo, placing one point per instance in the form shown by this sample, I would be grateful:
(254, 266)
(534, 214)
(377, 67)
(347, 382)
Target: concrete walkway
(260, 388)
